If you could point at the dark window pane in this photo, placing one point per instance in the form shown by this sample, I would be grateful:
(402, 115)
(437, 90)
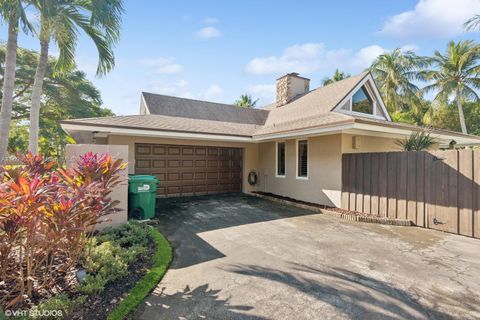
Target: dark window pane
(361, 102)
(281, 159)
(303, 158)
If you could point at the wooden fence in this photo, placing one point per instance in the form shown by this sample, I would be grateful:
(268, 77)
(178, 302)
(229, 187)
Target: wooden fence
(438, 190)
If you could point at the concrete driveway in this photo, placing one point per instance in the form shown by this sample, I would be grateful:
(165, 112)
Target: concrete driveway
(240, 257)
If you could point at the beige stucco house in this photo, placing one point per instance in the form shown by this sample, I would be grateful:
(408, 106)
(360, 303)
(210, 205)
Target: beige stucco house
(294, 145)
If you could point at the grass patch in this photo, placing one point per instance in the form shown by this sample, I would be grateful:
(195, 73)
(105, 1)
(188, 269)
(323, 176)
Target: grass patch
(161, 261)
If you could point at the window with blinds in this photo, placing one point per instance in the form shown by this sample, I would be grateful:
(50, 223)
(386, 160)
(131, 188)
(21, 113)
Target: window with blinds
(302, 159)
(281, 159)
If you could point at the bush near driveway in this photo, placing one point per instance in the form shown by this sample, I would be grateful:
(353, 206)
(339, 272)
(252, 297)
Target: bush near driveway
(108, 255)
(45, 214)
(161, 261)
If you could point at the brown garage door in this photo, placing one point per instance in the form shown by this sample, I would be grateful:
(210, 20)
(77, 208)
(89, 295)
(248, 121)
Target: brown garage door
(191, 170)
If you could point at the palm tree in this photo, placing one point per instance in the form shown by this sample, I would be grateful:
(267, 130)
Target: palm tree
(246, 101)
(417, 141)
(394, 73)
(337, 76)
(456, 75)
(473, 23)
(61, 21)
(12, 12)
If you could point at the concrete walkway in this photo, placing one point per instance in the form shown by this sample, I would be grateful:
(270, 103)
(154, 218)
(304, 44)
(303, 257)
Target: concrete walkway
(240, 257)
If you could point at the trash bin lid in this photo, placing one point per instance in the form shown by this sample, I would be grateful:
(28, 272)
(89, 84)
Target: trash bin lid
(142, 178)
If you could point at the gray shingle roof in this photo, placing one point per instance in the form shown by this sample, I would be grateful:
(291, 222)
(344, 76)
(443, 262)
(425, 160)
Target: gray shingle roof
(187, 108)
(166, 123)
(310, 110)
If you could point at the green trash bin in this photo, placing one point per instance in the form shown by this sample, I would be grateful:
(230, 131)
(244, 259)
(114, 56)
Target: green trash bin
(142, 196)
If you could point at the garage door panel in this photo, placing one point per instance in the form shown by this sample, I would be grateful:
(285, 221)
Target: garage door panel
(187, 151)
(173, 176)
(143, 164)
(213, 151)
(158, 150)
(213, 163)
(212, 176)
(200, 151)
(187, 163)
(191, 170)
(200, 163)
(143, 150)
(188, 175)
(158, 164)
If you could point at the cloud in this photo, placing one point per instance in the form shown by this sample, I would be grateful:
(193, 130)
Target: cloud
(162, 65)
(182, 88)
(264, 92)
(208, 33)
(432, 18)
(211, 20)
(365, 56)
(179, 88)
(314, 57)
(212, 92)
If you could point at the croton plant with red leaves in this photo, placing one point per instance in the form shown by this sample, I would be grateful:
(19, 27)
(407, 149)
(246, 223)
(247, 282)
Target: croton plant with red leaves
(46, 213)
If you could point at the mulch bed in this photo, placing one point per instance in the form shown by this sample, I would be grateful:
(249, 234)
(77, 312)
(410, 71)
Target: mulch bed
(98, 307)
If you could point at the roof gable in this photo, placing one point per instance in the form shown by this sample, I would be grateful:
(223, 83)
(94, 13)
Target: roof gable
(314, 103)
(380, 111)
(158, 104)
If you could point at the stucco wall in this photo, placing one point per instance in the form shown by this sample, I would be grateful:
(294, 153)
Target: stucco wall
(369, 144)
(250, 153)
(119, 192)
(325, 165)
(324, 173)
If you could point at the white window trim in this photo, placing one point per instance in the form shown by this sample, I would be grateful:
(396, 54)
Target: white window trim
(276, 159)
(308, 159)
(377, 99)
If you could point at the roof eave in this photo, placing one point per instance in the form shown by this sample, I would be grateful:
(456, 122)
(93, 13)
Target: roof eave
(71, 126)
(443, 135)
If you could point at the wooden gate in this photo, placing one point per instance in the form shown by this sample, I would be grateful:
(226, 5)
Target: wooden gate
(438, 190)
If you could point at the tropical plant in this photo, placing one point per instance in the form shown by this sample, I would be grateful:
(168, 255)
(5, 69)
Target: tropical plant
(455, 74)
(417, 141)
(246, 101)
(65, 96)
(61, 21)
(395, 73)
(13, 13)
(45, 214)
(337, 76)
(473, 23)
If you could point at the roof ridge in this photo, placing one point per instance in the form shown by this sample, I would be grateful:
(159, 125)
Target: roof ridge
(197, 100)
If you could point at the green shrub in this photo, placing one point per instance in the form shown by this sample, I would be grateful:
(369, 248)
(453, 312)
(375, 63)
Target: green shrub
(131, 234)
(93, 284)
(109, 260)
(60, 303)
(110, 253)
(161, 261)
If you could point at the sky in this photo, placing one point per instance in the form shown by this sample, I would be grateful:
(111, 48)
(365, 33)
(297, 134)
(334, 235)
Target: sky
(217, 50)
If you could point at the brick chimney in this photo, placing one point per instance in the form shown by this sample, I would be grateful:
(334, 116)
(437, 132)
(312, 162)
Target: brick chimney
(289, 86)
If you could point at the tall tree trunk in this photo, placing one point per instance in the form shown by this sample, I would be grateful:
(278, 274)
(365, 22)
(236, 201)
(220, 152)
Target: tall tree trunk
(461, 116)
(36, 98)
(8, 88)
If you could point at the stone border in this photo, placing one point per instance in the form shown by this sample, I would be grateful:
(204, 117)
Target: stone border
(340, 215)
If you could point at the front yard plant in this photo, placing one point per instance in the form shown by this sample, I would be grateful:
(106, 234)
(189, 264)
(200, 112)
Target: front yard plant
(45, 215)
(52, 258)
